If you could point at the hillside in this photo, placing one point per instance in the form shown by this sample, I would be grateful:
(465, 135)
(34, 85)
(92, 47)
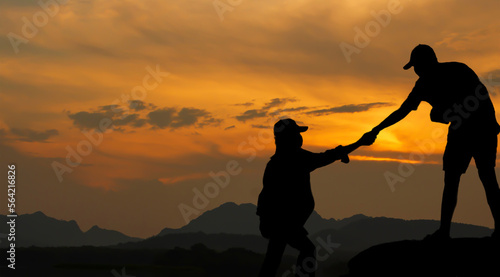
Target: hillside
(454, 258)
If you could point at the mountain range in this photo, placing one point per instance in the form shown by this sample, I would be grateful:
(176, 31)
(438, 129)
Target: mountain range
(231, 218)
(37, 229)
(231, 225)
(227, 226)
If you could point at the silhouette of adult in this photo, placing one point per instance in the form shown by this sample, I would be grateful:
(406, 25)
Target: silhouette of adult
(286, 201)
(458, 97)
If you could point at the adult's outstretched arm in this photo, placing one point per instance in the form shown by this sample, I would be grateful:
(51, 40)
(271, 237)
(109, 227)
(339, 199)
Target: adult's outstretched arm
(392, 119)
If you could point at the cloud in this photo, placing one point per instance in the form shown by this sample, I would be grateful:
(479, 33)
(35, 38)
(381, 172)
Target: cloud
(161, 118)
(188, 117)
(276, 102)
(30, 135)
(229, 127)
(265, 110)
(172, 118)
(251, 114)
(111, 109)
(351, 108)
(138, 105)
(210, 121)
(136, 115)
(93, 119)
(126, 120)
(259, 126)
(246, 104)
(87, 120)
(271, 109)
(288, 110)
(139, 122)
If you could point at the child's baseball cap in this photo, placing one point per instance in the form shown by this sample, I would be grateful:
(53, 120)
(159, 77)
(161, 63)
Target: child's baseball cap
(288, 126)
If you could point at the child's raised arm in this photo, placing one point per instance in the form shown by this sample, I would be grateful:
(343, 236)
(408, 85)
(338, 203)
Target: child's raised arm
(366, 139)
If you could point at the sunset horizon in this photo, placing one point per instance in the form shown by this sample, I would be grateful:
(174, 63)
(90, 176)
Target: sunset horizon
(122, 113)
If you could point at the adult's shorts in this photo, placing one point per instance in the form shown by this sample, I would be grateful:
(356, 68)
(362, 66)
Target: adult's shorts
(460, 149)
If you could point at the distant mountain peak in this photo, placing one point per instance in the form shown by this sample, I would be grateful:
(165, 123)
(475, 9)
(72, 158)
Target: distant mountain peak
(95, 228)
(228, 205)
(38, 213)
(358, 216)
(233, 218)
(38, 229)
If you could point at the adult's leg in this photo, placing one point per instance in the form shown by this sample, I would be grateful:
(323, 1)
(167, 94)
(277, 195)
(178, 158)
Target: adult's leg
(456, 159)
(306, 262)
(489, 179)
(275, 248)
(485, 157)
(449, 202)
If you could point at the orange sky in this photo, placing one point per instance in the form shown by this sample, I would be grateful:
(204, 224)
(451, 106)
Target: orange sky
(220, 82)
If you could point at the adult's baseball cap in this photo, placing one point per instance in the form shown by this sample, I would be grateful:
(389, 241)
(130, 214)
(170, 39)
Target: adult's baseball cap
(421, 54)
(288, 126)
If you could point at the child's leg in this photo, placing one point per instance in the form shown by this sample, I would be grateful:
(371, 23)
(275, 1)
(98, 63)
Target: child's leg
(275, 249)
(306, 262)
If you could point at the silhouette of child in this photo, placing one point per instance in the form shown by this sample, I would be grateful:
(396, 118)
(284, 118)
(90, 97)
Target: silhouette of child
(286, 201)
